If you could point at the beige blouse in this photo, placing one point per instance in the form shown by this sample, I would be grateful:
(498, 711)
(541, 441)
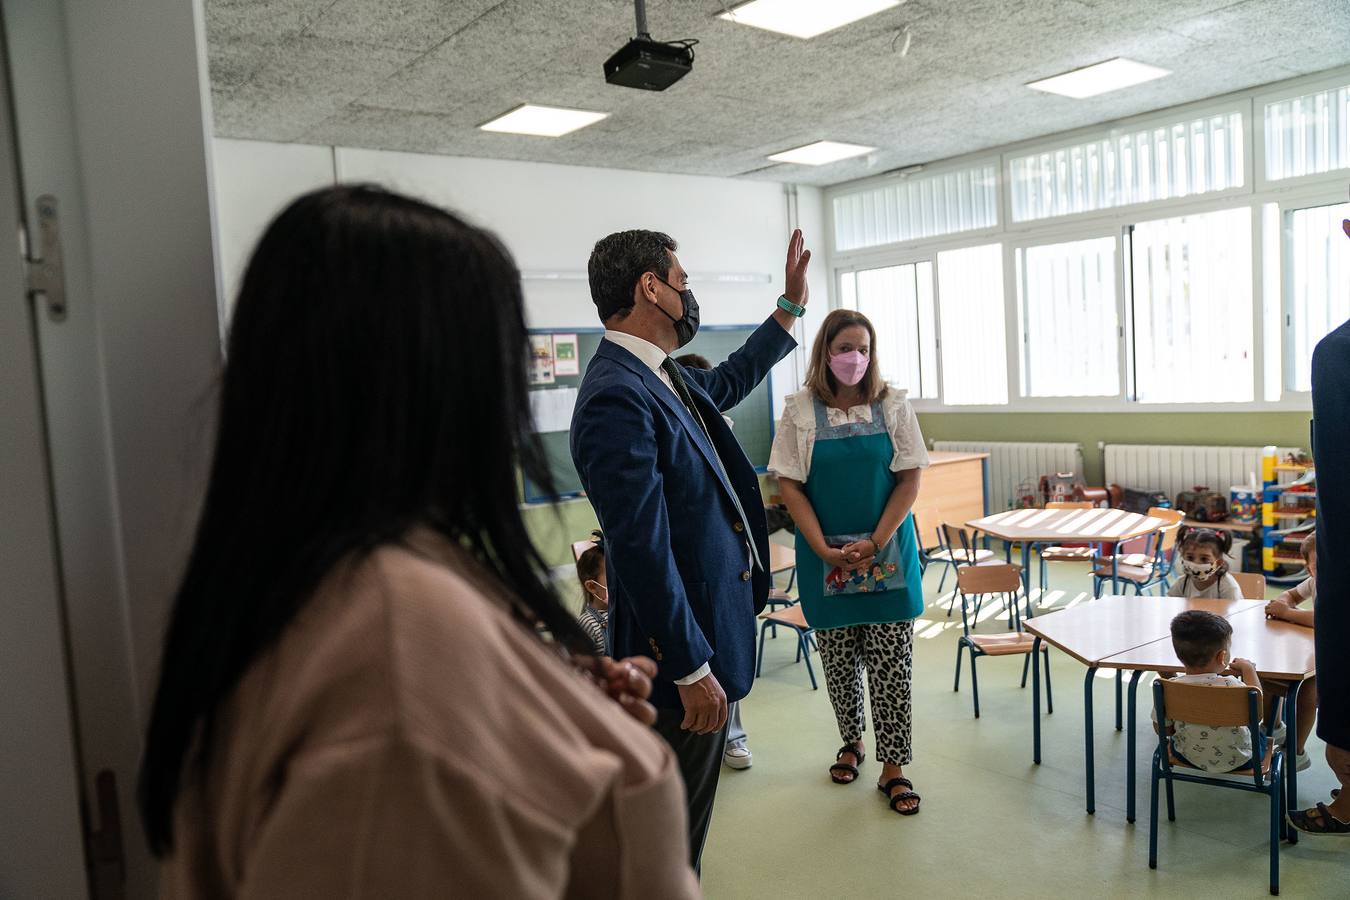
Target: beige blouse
(795, 438)
(407, 738)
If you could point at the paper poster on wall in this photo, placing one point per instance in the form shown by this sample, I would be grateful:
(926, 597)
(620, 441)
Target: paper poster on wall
(552, 409)
(566, 355)
(541, 359)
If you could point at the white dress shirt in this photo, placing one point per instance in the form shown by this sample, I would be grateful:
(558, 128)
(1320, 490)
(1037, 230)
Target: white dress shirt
(652, 356)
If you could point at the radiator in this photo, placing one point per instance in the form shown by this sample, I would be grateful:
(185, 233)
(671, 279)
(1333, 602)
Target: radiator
(1013, 463)
(1173, 468)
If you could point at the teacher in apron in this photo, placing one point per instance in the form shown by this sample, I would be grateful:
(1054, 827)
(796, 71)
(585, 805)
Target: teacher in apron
(847, 454)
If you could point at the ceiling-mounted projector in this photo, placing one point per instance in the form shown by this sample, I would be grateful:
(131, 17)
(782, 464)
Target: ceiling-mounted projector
(647, 64)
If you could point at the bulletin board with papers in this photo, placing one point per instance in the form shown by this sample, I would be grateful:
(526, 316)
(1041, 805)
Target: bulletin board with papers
(558, 362)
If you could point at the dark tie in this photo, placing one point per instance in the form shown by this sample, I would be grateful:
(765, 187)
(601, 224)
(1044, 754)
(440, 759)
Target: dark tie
(672, 368)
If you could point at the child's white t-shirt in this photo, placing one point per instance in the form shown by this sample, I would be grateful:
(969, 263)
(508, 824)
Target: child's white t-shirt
(1212, 748)
(1306, 590)
(1225, 587)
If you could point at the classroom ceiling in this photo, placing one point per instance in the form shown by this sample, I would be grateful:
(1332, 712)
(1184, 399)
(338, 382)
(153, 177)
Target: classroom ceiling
(422, 75)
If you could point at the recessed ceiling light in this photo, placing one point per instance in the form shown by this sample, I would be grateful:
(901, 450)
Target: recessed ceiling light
(820, 153)
(1098, 79)
(804, 18)
(543, 121)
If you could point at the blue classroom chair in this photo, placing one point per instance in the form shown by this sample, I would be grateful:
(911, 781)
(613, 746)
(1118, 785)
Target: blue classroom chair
(1220, 707)
(1005, 579)
(792, 617)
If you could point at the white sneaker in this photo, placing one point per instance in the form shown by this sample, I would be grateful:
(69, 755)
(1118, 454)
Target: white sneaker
(1301, 762)
(738, 757)
(1278, 735)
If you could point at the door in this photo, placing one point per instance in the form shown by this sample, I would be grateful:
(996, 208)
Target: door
(41, 854)
(109, 117)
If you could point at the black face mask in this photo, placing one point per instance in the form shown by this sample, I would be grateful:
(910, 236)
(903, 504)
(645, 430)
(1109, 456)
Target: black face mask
(686, 326)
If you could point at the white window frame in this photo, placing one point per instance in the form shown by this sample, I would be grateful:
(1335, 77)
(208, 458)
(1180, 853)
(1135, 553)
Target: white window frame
(902, 260)
(1312, 84)
(1066, 235)
(1307, 196)
(1290, 193)
(970, 161)
(1172, 116)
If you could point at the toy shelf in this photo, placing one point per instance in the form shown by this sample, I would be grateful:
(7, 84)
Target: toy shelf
(1279, 557)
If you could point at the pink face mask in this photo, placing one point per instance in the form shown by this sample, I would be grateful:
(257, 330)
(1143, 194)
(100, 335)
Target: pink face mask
(849, 367)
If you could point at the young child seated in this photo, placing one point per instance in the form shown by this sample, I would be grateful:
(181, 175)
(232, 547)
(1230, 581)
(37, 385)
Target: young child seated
(1204, 565)
(1286, 608)
(1201, 641)
(594, 616)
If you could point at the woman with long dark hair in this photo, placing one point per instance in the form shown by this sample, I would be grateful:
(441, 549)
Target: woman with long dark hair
(353, 699)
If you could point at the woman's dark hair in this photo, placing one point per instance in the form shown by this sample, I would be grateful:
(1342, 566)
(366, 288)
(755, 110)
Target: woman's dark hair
(375, 382)
(1221, 541)
(590, 564)
(618, 261)
(1198, 634)
(821, 380)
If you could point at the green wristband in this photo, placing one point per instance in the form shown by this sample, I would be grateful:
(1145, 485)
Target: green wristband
(788, 306)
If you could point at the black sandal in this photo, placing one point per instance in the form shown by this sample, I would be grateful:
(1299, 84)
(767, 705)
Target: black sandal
(858, 754)
(907, 794)
(1327, 823)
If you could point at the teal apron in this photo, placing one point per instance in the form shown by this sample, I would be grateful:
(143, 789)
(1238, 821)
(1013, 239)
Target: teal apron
(848, 485)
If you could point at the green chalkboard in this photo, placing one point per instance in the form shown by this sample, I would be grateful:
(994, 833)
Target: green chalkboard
(752, 418)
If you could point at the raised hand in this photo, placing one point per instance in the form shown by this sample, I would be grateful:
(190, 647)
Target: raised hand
(795, 288)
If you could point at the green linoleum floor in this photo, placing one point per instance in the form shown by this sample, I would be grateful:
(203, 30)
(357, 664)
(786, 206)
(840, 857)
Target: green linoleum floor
(993, 824)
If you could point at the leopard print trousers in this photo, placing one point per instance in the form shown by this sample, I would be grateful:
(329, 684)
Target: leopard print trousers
(887, 652)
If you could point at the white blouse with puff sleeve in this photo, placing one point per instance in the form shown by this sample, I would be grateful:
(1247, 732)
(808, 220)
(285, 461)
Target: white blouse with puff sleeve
(796, 434)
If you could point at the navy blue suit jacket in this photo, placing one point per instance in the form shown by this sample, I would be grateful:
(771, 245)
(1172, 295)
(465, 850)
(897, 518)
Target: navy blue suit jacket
(1331, 453)
(681, 588)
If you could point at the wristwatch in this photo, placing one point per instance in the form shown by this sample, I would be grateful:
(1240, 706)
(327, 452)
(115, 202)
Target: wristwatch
(788, 306)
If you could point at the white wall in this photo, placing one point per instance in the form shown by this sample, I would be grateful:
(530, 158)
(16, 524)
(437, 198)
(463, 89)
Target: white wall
(253, 181)
(550, 216)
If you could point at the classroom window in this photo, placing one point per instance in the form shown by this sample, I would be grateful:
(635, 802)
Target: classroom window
(1308, 134)
(1318, 278)
(1272, 374)
(973, 337)
(1192, 308)
(899, 301)
(1070, 328)
(917, 207)
(1160, 162)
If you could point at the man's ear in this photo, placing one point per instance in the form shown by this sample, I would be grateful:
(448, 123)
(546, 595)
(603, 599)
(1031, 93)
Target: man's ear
(1345, 224)
(645, 289)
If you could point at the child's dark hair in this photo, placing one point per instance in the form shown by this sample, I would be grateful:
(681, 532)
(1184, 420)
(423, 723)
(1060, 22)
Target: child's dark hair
(1221, 541)
(590, 564)
(1197, 635)
(1309, 546)
(694, 361)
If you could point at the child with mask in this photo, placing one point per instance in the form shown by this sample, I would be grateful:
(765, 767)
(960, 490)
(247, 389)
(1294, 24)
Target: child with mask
(594, 616)
(1204, 565)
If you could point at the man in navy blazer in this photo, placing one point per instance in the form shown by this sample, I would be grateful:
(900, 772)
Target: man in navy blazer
(686, 544)
(1331, 449)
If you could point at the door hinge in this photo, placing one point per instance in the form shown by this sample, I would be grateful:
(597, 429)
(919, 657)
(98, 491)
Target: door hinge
(107, 860)
(46, 273)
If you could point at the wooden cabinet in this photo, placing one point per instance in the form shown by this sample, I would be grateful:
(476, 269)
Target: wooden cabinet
(953, 486)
